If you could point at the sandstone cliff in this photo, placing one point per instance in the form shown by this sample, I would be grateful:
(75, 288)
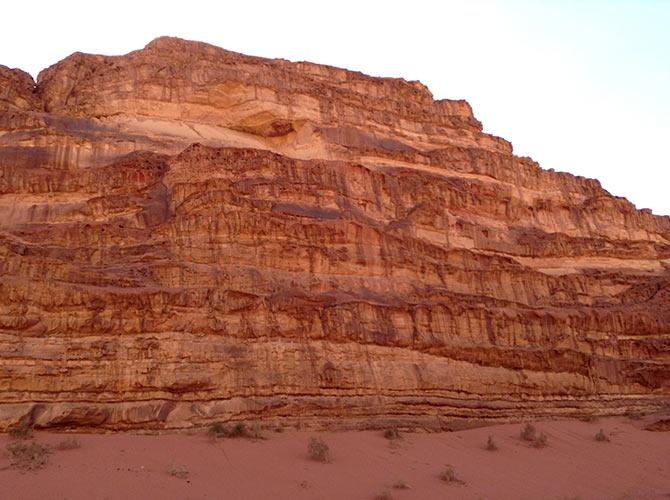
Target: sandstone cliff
(189, 234)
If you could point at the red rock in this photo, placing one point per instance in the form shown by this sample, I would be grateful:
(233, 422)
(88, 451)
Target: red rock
(189, 234)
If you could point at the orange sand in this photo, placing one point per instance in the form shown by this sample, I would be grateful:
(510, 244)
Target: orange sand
(634, 465)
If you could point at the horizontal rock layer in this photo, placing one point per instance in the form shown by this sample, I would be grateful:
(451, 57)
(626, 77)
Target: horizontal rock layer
(188, 234)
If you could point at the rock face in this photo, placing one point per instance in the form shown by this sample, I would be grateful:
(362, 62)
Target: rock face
(189, 234)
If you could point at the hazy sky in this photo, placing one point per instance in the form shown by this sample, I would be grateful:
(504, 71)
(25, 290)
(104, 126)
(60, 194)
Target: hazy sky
(580, 86)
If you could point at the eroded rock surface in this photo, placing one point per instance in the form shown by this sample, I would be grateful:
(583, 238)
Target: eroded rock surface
(188, 234)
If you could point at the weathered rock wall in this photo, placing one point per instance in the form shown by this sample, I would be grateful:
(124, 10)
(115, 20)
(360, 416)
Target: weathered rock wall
(188, 234)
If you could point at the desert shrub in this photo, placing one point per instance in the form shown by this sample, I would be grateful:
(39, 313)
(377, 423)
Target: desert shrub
(392, 433)
(384, 495)
(318, 450)
(28, 456)
(237, 430)
(448, 475)
(540, 441)
(69, 443)
(634, 415)
(178, 471)
(400, 485)
(491, 444)
(255, 431)
(601, 436)
(217, 429)
(588, 418)
(528, 433)
(22, 430)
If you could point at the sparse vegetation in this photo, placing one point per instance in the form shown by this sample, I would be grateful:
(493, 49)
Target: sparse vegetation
(22, 430)
(540, 441)
(392, 433)
(318, 450)
(178, 471)
(69, 443)
(255, 431)
(601, 436)
(384, 495)
(237, 430)
(491, 444)
(400, 485)
(448, 475)
(528, 433)
(28, 456)
(589, 418)
(217, 429)
(634, 415)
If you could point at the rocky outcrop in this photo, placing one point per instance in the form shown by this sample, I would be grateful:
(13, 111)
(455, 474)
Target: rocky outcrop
(188, 234)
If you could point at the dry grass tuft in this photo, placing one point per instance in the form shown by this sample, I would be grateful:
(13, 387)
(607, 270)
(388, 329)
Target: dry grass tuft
(528, 433)
(601, 436)
(400, 485)
(178, 471)
(28, 456)
(318, 450)
(491, 444)
(384, 495)
(69, 443)
(540, 441)
(392, 433)
(634, 415)
(448, 475)
(237, 430)
(22, 430)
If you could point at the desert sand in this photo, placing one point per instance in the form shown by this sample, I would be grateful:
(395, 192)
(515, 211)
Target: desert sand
(634, 464)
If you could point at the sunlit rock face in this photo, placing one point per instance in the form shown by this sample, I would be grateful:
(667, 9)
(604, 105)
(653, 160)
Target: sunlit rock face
(189, 234)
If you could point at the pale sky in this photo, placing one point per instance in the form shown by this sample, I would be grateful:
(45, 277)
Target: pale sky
(580, 86)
